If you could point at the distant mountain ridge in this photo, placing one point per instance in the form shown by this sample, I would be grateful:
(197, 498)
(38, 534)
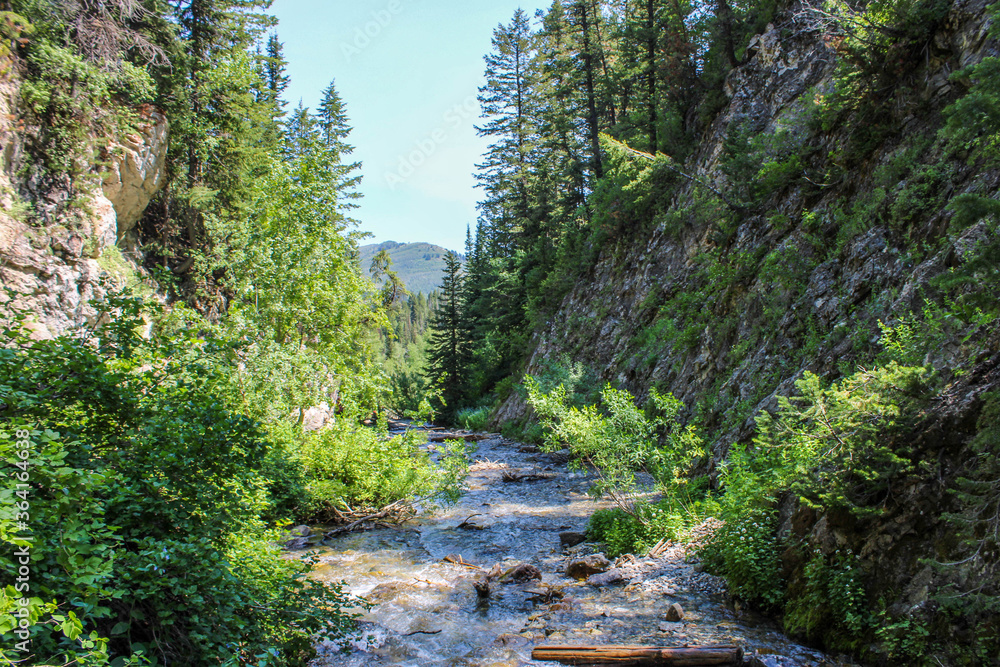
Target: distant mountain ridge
(420, 265)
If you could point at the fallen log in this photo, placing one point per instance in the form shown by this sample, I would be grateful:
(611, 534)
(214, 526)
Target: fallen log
(440, 436)
(640, 656)
(511, 476)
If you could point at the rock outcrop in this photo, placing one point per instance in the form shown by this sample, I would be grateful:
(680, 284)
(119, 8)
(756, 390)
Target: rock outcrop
(57, 268)
(604, 322)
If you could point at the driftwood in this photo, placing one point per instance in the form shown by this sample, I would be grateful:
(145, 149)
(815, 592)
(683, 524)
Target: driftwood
(658, 549)
(640, 656)
(397, 511)
(518, 476)
(441, 436)
(468, 525)
(458, 560)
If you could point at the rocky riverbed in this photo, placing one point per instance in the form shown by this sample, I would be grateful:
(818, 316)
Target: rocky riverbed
(427, 611)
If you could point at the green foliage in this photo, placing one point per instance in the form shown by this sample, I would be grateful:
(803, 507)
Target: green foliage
(647, 525)
(745, 551)
(354, 469)
(449, 356)
(878, 41)
(580, 382)
(635, 190)
(914, 338)
(837, 449)
(474, 419)
(977, 524)
(621, 440)
(832, 606)
(832, 445)
(760, 164)
(146, 496)
(973, 121)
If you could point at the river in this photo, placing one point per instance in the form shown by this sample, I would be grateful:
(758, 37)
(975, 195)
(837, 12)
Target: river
(428, 614)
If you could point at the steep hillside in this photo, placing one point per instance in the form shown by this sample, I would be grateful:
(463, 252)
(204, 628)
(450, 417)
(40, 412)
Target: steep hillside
(419, 265)
(830, 218)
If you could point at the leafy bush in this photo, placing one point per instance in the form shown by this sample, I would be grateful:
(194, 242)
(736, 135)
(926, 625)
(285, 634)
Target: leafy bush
(651, 522)
(350, 468)
(830, 445)
(745, 551)
(832, 605)
(621, 440)
(474, 419)
(832, 448)
(146, 493)
(636, 188)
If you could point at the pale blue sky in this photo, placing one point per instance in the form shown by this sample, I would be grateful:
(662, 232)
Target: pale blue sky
(409, 71)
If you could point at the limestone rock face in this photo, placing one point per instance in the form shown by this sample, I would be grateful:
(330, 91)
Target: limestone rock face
(138, 170)
(57, 267)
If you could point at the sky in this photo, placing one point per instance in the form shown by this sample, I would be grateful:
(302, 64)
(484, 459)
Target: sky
(409, 72)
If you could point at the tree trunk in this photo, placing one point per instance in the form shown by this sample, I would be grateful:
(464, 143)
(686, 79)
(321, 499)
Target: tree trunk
(724, 14)
(651, 72)
(588, 66)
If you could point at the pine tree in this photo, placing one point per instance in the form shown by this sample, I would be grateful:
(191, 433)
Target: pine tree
(506, 100)
(333, 121)
(449, 347)
(275, 80)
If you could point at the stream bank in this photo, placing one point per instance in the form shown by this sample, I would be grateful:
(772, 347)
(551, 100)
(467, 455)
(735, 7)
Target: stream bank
(427, 612)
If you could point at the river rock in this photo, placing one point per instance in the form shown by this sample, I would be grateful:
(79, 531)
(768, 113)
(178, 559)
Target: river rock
(581, 568)
(675, 613)
(571, 538)
(559, 457)
(387, 591)
(300, 531)
(296, 543)
(612, 576)
(524, 572)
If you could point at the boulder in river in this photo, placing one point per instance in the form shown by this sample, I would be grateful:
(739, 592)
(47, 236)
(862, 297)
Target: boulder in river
(612, 576)
(571, 538)
(675, 613)
(581, 568)
(523, 572)
(296, 543)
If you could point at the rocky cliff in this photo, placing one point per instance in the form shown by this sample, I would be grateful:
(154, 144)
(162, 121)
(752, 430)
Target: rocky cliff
(57, 266)
(818, 282)
(730, 297)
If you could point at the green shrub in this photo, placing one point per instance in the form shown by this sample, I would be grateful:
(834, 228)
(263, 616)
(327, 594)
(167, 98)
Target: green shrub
(832, 605)
(621, 440)
(832, 448)
(745, 551)
(650, 523)
(353, 468)
(474, 419)
(146, 496)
